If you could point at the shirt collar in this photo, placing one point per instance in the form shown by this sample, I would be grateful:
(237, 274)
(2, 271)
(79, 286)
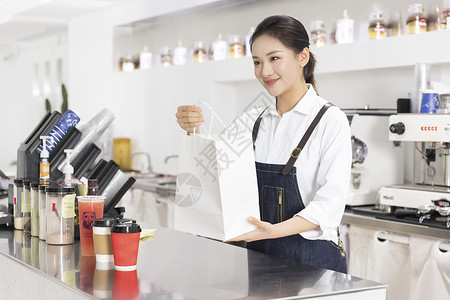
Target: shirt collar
(304, 106)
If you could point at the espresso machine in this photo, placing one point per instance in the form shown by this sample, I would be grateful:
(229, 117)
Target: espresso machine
(376, 161)
(430, 134)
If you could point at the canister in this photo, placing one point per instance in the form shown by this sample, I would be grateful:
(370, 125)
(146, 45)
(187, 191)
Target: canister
(18, 194)
(42, 213)
(102, 239)
(26, 205)
(34, 208)
(60, 214)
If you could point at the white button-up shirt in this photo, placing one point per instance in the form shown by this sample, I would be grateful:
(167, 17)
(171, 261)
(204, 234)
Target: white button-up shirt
(323, 166)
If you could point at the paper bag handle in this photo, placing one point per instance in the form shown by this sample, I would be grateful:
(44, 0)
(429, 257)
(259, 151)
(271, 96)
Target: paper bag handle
(213, 114)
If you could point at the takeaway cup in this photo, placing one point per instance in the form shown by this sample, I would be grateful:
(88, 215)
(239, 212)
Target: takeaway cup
(125, 242)
(89, 209)
(101, 229)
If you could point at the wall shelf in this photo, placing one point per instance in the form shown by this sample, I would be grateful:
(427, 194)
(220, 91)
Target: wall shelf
(392, 52)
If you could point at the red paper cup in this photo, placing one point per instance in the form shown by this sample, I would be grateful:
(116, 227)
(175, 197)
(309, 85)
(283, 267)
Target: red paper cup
(125, 242)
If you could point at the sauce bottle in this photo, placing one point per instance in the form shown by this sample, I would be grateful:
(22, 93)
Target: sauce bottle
(416, 22)
(318, 33)
(236, 46)
(377, 26)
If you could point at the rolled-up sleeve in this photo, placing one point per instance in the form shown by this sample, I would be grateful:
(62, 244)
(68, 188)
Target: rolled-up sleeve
(332, 178)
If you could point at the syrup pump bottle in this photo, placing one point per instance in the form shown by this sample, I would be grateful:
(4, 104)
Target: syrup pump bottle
(44, 165)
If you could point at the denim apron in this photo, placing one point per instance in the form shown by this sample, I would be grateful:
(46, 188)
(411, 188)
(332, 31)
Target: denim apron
(279, 200)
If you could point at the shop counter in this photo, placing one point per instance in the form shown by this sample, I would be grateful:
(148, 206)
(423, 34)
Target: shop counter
(171, 265)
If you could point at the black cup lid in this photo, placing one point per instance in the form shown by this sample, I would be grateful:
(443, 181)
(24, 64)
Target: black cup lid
(126, 228)
(18, 182)
(60, 189)
(104, 222)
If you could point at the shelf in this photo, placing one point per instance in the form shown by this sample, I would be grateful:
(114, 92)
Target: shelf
(392, 52)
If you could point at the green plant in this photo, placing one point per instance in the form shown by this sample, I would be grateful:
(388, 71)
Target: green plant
(48, 106)
(65, 101)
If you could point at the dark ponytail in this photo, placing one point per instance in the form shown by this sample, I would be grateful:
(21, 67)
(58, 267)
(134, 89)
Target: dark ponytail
(292, 34)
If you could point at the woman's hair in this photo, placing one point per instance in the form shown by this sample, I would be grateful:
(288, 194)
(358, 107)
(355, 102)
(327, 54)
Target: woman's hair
(292, 34)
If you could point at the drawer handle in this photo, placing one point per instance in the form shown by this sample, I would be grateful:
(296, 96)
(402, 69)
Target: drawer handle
(385, 236)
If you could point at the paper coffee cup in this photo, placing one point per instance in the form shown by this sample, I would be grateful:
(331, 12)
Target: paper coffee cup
(125, 242)
(103, 248)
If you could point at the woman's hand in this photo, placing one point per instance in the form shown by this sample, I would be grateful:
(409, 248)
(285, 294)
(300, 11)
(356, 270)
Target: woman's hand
(263, 230)
(189, 117)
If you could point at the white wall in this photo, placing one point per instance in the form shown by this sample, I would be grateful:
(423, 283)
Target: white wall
(145, 103)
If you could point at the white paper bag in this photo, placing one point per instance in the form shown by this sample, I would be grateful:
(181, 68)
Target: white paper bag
(217, 189)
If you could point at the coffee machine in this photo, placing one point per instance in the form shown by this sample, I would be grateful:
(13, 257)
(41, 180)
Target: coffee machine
(376, 161)
(430, 134)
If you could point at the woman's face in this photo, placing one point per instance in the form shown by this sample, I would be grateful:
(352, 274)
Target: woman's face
(277, 67)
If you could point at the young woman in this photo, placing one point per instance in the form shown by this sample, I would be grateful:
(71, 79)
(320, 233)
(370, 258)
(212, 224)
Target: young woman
(302, 151)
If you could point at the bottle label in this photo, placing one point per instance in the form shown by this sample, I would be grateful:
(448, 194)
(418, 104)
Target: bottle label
(68, 206)
(45, 171)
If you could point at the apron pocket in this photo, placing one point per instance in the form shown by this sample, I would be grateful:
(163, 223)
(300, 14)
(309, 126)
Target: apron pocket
(272, 204)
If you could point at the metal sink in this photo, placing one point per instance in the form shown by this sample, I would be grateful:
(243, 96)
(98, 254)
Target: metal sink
(163, 185)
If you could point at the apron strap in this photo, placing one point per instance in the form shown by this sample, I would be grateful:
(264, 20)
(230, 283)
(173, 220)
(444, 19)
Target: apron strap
(296, 152)
(256, 127)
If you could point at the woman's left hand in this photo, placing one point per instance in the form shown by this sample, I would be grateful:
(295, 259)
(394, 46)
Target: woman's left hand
(262, 231)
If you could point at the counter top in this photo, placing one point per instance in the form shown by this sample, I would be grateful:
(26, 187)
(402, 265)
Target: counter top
(172, 265)
(384, 222)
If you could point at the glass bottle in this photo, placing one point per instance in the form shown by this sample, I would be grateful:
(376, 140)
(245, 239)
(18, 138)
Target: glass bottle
(166, 57)
(248, 50)
(200, 54)
(26, 206)
(18, 195)
(445, 17)
(42, 213)
(180, 55)
(145, 59)
(434, 20)
(377, 26)
(236, 48)
(34, 208)
(318, 33)
(416, 22)
(128, 64)
(219, 48)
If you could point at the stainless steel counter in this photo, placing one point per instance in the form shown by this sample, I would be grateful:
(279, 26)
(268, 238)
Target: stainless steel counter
(173, 265)
(351, 217)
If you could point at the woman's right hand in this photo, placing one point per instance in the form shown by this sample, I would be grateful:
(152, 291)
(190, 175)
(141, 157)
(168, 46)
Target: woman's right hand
(189, 117)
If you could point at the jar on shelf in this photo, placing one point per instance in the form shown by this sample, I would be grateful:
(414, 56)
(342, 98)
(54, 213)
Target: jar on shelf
(236, 48)
(200, 53)
(318, 33)
(377, 25)
(219, 48)
(166, 57)
(416, 22)
(145, 59)
(128, 63)
(26, 206)
(18, 195)
(434, 20)
(445, 16)
(60, 215)
(34, 208)
(180, 55)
